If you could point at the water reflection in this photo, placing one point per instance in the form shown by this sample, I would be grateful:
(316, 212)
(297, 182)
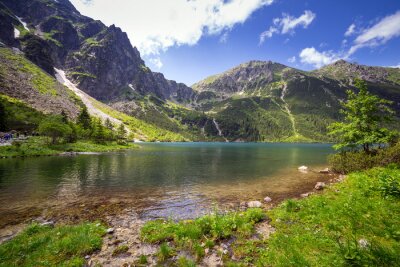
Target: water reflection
(170, 176)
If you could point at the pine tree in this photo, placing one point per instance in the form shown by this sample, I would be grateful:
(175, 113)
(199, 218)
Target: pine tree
(64, 116)
(84, 118)
(121, 132)
(364, 115)
(108, 124)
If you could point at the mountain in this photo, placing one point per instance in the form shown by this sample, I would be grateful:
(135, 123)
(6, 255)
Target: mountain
(100, 61)
(255, 101)
(267, 101)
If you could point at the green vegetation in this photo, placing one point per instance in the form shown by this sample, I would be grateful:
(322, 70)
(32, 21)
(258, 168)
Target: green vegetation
(92, 42)
(50, 37)
(364, 115)
(41, 81)
(352, 224)
(46, 246)
(18, 116)
(59, 134)
(83, 75)
(141, 129)
(189, 235)
(351, 161)
(39, 146)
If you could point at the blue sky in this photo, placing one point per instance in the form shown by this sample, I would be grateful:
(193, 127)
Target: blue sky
(190, 40)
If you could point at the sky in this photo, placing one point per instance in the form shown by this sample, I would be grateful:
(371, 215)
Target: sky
(189, 40)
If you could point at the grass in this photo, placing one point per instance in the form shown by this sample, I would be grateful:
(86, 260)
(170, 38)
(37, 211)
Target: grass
(92, 42)
(41, 81)
(195, 235)
(353, 223)
(19, 115)
(45, 246)
(39, 146)
(141, 128)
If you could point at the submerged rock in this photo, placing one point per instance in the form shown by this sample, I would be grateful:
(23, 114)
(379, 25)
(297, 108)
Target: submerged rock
(303, 168)
(320, 186)
(254, 204)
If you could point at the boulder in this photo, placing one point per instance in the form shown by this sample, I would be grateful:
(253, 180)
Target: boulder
(267, 199)
(254, 204)
(320, 186)
(326, 170)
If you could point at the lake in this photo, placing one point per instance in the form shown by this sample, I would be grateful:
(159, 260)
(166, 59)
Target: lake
(177, 180)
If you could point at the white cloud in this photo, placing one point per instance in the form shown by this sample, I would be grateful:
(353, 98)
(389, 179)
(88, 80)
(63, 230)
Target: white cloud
(154, 26)
(318, 59)
(378, 34)
(350, 30)
(386, 29)
(287, 24)
(292, 59)
(156, 62)
(224, 37)
(398, 66)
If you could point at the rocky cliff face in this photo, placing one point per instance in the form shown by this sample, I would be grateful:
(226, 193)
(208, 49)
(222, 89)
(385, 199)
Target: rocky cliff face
(243, 78)
(100, 59)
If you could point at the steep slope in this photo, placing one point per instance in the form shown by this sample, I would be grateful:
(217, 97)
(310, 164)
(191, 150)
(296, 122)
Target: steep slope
(28, 94)
(268, 101)
(23, 80)
(100, 59)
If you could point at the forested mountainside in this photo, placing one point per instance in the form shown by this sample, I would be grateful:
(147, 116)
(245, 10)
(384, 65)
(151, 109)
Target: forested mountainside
(262, 99)
(256, 101)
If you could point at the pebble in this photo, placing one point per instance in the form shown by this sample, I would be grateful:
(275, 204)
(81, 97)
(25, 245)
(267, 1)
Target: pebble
(320, 186)
(267, 199)
(110, 230)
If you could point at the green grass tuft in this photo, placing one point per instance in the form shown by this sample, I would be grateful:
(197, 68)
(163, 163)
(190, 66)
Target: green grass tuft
(45, 246)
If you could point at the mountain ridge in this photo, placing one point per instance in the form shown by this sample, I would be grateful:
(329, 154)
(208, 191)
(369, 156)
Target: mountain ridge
(254, 101)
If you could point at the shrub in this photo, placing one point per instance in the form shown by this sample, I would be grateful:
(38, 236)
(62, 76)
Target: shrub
(350, 161)
(389, 184)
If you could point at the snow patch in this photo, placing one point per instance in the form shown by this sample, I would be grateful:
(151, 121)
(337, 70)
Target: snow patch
(17, 33)
(131, 86)
(86, 99)
(23, 23)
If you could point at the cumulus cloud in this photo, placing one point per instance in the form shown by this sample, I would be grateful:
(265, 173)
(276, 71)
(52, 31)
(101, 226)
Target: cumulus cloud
(224, 37)
(154, 26)
(378, 34)
(287, 24)
(318, 59)
(292, 59)
(386, 29)
(156, 62)
(398, 66)
(350, 30)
